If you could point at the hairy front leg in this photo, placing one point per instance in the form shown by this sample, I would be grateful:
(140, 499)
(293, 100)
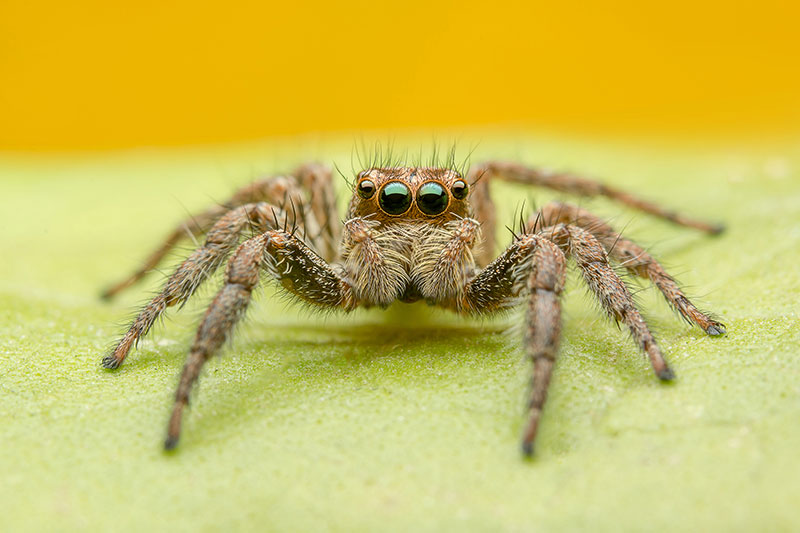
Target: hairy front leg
(545, 285)
(221, 240)
(287, 259)
(572, 184)
(629, 255)
(535, 266)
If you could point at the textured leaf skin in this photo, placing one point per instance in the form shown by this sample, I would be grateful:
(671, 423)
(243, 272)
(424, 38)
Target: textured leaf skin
(408, 419)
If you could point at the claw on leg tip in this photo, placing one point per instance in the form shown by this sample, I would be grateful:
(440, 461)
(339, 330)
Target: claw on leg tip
(110, 362)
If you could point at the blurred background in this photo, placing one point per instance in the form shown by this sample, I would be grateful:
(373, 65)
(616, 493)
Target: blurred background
(89, 75)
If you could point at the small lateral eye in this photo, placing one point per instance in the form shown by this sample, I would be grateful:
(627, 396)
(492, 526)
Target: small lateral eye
(460, 189)
(366, 188)
(395, 198)
(432, 198)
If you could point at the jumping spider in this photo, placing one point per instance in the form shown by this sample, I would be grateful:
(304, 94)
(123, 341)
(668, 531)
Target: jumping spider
(412, 233)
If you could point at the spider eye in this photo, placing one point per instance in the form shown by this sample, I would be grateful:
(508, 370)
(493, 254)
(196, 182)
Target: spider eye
(432, 198)
(460, 189)
(395, 198)
(366, 189)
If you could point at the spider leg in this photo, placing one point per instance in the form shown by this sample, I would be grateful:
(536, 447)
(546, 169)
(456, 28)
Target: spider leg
(317, 180)
(535, 266)
(628, 254)
(286, 258)
(276, 190)
(609, 289)
(485, 213)
(195, 225)
(572, 184)
(378, 274)
(543, 333)
(221, 240)
(442, 264)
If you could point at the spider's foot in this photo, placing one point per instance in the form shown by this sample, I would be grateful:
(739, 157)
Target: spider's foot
(666, 374)
(716, 229)
(174, 426)
(106, 295)
(527, 449)
(715, 329)
(529, 435)
(170, 442)
(111, 362)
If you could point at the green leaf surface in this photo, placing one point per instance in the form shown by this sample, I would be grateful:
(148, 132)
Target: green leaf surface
(408, 419)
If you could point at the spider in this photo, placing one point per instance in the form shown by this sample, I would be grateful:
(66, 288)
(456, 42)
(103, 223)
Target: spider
(412, 233)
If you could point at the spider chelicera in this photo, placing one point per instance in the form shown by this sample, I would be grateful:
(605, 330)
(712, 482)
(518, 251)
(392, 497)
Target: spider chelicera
(411, 233)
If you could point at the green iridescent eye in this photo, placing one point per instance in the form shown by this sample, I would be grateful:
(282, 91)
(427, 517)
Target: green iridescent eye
(432, 198)
(395, 198)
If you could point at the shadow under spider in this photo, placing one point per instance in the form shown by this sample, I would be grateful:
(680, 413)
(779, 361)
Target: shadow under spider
(348, 358)
(282, 338)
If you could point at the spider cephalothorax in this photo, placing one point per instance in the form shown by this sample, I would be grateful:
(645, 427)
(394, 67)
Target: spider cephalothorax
(400, 220)
(411, 233)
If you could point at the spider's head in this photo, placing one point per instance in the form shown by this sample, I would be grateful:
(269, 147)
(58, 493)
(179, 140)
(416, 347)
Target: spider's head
(403, 193)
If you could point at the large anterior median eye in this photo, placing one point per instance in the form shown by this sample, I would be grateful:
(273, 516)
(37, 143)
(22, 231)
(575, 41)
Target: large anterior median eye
(432, 198)
(395, 198)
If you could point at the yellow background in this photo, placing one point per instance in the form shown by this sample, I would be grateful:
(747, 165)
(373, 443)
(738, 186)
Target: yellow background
(92, 74)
